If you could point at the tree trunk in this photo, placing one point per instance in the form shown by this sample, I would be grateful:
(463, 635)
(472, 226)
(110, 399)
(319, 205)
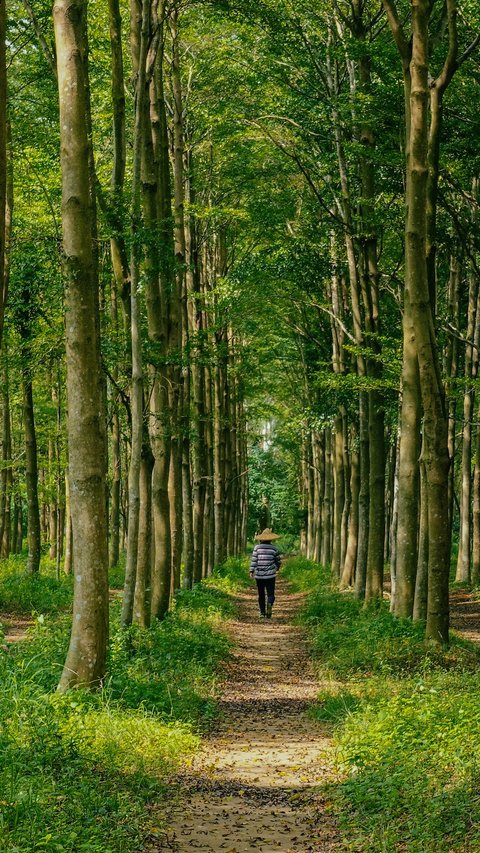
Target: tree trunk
(68, 560)
(319, 465)
(476, 506)
(209, 538)
(85, 663)
(376, 521)
(471, 368)
(31, 471)
(363, 498)
(116, 456)
(142, 605)
(17, 526)
(311, 478)
(219, 455)
(327, 502)
(197, 372)
(339, 499)
(348, 575)
(156, 201)
(136, 386)
(3, 163)
(435, 449)
(451, 370)
(6, 474)
(421, 583)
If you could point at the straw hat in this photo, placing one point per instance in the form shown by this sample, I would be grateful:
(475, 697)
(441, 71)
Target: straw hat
(267, 535)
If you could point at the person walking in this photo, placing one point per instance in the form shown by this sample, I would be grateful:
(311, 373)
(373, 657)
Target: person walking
(264, 566)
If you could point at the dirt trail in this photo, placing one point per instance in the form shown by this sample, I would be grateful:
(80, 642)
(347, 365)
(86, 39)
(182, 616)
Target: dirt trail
(254, 786)
(15, 626)
(465, 613)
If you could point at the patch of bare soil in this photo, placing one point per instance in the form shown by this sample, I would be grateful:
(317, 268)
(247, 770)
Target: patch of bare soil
(15, 626)
(255, 785)
(465, 613)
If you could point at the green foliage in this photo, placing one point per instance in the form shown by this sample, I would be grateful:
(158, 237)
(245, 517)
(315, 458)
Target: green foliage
(411, 763)
(116, 575)
(272, 476)
(288, 543)
(78, 771)
(42, 593)
(407, 724)
(231, 576)
(350, 639)
(304, 575)
(170, 669)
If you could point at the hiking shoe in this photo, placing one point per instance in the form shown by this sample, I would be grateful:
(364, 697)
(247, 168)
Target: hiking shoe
(269, 611)
(262, 616)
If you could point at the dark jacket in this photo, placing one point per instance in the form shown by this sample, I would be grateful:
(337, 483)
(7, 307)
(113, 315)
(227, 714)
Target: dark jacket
(265, 561)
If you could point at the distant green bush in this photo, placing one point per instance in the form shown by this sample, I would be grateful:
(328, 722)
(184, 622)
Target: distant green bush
(305, 575)
(116, 574)
(231, 576)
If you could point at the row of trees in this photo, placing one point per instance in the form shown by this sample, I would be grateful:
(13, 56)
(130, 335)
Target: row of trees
(260, 242)
(153, 382)
(367, 500)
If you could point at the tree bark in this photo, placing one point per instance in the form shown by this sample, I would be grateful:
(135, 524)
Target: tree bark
(348, 575)
(31, 469)
(421, 581)
(85, 663)
(339, 492)
(142, 605)
(476, 506)
(136, 385)
(327, 502)
(68, 560)
(3, 162)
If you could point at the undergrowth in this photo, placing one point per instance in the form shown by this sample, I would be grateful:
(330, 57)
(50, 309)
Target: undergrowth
(42, 593)
(26, 594)
(230, 576)
(78, 771)
(406, 720)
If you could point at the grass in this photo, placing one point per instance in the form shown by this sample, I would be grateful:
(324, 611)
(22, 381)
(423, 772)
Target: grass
(79, 772)
(231, 575)
(406, 723)
(27, 594)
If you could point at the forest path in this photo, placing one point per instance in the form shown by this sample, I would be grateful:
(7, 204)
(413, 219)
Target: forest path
(254, 787)
(465, 613)
(15, 626)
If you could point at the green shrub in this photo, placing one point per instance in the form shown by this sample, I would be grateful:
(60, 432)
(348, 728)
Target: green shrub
(304, 575)
(116, 574)
(231, 576)
(41, 593)
(412, 762)
(407, 723)
(77, 772)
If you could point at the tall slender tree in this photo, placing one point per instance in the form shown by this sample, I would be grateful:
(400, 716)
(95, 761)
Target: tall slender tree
(86, 658)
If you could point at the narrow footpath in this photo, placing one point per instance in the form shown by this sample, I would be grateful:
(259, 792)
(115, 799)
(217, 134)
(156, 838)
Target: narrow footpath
(254, 787)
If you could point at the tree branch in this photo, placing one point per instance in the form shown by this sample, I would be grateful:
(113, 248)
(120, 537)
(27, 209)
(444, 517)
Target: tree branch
(46, 49)
(468, 52)
(451, 64)
(403, 44)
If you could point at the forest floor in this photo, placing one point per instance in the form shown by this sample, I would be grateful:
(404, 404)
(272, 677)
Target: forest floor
(15, 626)
(254, 786)
(465, 614)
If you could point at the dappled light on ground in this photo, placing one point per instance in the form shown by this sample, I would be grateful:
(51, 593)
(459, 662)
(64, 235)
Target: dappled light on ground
(255, 785)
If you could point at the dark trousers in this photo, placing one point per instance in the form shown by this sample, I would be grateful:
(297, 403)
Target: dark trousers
(265, 587)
